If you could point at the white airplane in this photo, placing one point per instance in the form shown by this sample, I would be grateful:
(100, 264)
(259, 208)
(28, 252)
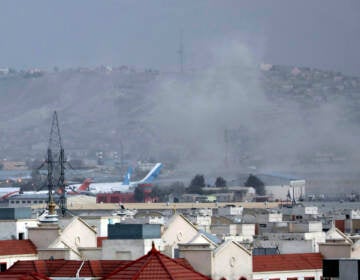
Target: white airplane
(7, 192)
(126, 186)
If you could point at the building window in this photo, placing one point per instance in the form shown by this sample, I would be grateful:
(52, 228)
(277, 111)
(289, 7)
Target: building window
(3, 266)
(330, 268)
(291, 278)
(309, 278)
(21, 236)
(176, 253)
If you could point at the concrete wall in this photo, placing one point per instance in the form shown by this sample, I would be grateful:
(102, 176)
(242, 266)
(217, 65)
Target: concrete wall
(91, 253)
(243, 231)
(43, 236)
(55, 253)
(288, 246)
(335, 250)
(203, 221)
(311, 226)
(311, 210)
(348, 270)
(275, 217)
(221, 230)
(269, 218)
(311, 239)
(178, 231)
(315, 226)
(239, 238)
(246, 229)
(230, 211)
(199, 256)
(348, 226)
(355, 226)
(319, 236)
(10, 229)
(231, 262)
(77, 234)
(127, 249)
(155, 220)
(355, 214)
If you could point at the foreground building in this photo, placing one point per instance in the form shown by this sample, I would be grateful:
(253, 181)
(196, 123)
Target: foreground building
(68, 239)
(153, 265)
(229, 260)
(288, 267)
(341, 269)
(15, 250)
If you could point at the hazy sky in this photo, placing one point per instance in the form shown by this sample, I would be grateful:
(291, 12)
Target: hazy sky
(323, 34)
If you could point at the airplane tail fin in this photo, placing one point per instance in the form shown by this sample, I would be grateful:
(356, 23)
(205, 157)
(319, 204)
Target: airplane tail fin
(6, 196)
(154, 172)
(85, 185)
(127, 177)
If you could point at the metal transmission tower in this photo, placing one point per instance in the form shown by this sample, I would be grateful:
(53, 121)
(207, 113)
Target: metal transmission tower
(55, 165)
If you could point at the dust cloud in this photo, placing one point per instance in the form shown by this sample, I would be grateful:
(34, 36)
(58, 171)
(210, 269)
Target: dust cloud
(222, 118)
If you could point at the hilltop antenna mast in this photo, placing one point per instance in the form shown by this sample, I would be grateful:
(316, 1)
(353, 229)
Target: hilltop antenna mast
(181, 53)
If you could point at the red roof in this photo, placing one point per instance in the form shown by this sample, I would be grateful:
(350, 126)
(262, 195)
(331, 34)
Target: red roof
(22, 276)
(286, 262)
(67, 268)
(155, 265)
(17, 247)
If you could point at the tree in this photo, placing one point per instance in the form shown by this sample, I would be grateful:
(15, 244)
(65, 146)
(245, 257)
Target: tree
(139, 194)
(196, 184)
(220, 182)
(256, 183)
